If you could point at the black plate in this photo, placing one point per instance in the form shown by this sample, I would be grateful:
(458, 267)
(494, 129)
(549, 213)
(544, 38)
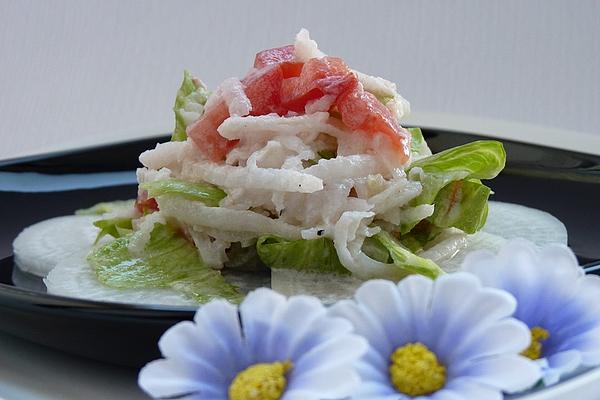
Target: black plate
(564, 183)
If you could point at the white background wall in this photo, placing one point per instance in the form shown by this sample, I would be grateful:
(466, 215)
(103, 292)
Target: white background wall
(74, 72)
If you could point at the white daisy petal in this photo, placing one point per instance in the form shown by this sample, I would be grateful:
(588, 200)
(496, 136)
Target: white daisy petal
(299, 315)
(184, 342)
(322, 329)
(565, 362)
(331, 353)
(364, 322)
(170, 378)
(371, 372)
(381, 297)
(416, 294)
(222, 317)
(510, 373)
(443, 395)
(468, 389)
(257, 311)
(503, 337)
(444, 298)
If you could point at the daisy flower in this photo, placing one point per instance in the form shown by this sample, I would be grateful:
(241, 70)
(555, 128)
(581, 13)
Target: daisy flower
(555, 299)
(445, 339)
(273, 348)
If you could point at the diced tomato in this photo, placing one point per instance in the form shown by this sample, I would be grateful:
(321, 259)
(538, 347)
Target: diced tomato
(263, 88)
(319, 77)
(362, 111)
(206, 137)
(283, 56)
(144, 204)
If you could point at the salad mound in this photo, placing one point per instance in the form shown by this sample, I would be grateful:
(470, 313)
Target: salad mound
(300, 166)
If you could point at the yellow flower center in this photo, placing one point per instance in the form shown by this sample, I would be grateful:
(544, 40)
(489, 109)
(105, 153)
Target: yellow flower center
(416, 371)
(260, 382)
(538, 335)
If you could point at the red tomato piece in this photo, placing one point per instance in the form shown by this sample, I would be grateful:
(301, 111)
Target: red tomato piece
(206, 137)
(362, 111)
(283, 56)
(263, 89)
(277, 55)
(319, 77)
(144, 204)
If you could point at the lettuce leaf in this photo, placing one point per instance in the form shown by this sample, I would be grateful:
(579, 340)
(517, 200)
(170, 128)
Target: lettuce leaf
(418, 146)
(204, 192)
(189, 105)
(421, 234)
(316, 255)
(463, 205)
(169, 260)
(483, 159)
(115, 227)
(406, 261)
(107, 207)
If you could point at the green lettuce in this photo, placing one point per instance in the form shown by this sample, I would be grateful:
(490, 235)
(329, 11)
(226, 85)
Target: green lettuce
(107, 207)
(191, 97)
(463, 205)
(316, 255)
(483, 159)
(168, 261)
(115, 227)
(420, 235)
(406, 261)
(204, 192)
(418, 146)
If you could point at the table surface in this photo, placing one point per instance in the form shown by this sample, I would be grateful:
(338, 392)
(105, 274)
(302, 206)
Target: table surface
(29, 371)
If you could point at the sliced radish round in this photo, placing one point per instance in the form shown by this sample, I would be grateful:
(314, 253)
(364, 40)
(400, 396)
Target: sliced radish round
(512, 221)
(73, 277)
(40, 247)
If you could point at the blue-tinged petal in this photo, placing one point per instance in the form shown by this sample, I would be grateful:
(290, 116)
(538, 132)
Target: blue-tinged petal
(171, 378)
(222, 320)
(565, 362)
(185, 343)
(481, 311)
(365, 324)
(290, 324)
(469, 389)
(416, 294)
(345, 350)
(333, 383)
(448, 309)
(509, 373)
(323, 328)
(376, 391)
(484, 264)
(550, 376)
(257, 311)
(381, 297)
(587, 343)
(441, 395)
(507, 336)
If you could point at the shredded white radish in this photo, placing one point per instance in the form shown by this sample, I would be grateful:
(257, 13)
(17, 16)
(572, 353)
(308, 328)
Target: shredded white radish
(212, 251)
(196, 214)
(233, 93)
(450, 242)
(397, 216)
(349, 235)
(143, 229)
(305, 48)
(226, 176)
(168, 155)
(264, 127)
